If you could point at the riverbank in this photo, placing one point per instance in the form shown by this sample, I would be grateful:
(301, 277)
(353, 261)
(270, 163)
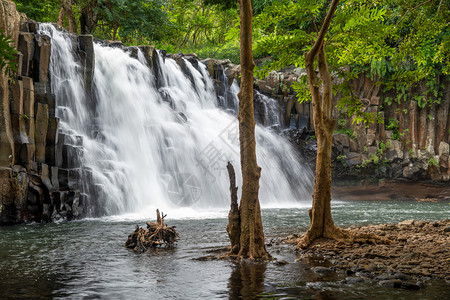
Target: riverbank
(379, 190)
(419, 251)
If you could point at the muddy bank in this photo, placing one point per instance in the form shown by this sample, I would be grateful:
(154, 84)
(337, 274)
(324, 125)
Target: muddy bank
(356, 189)
(419, 251)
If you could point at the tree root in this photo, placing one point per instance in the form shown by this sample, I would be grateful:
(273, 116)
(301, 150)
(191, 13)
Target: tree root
(156, 235)
(341, 235)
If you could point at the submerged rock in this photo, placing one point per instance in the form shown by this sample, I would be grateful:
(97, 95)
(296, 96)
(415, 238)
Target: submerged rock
(394, 283)
(322, 270)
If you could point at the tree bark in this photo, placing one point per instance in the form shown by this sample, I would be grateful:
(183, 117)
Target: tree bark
(234, 219)
(115, 28)
(321, 221)
(88, 18)
(60, 19)
(252, 237)
(66, 9)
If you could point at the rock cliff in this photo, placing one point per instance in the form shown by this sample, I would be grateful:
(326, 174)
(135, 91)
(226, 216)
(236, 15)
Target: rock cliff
(39, 178)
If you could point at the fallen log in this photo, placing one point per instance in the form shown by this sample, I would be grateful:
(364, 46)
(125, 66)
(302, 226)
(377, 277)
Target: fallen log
(156, 235)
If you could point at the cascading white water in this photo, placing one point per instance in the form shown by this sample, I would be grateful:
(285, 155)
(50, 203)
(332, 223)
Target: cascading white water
(167, 146)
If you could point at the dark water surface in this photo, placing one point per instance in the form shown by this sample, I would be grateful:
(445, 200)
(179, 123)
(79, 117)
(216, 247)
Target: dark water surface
(87, 259)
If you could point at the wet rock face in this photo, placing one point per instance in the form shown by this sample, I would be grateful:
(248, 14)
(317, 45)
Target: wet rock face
(37, 181)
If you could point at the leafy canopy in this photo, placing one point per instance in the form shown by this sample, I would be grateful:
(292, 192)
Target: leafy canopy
(399, 43)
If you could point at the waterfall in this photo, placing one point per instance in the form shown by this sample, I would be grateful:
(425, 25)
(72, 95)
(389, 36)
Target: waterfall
(146, 145)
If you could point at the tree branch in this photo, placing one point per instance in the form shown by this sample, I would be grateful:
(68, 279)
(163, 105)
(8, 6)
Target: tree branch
(315, 26)
(409, 10)
(323, 30)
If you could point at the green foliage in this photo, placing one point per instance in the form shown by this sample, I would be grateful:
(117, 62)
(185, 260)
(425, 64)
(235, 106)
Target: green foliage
(433, 162)
(42, 11)
(382, 148)
(7, 54)
(376, 159)
(133, 21)
(341, 159)
(373, 159)
(346, 131)
(400, 43)
(227, 51)
(301, 88)
(342, 127)
(393, 126)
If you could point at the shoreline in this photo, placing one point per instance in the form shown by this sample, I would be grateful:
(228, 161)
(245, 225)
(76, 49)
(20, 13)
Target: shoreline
(419, 252)
(380, 190)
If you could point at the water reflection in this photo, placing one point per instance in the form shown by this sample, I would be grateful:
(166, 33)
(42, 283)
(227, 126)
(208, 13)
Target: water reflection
(87, 259)
(247, 280)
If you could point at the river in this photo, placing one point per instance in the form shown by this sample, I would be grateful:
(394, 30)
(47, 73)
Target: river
(87, 258)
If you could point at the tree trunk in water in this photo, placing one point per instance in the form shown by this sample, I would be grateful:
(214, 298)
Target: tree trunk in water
(234, 218)
(321, 223)
(252, 237)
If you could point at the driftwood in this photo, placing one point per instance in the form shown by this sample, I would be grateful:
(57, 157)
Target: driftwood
(156, 235)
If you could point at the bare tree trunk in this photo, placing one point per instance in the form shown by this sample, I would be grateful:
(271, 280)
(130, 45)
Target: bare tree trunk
(60, 17)
(321, 223)
(234, 219)
(88, 18)
(115, 28)
(66, 6)
(252, 237)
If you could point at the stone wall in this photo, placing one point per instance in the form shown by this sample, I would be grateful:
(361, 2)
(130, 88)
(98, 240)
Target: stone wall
(418, 145)
(39, 175)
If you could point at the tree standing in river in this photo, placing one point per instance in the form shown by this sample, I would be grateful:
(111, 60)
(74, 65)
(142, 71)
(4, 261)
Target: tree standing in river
(245, 227)
(321, 221)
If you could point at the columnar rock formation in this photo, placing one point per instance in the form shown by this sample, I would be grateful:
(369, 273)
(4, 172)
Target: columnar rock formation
(39, 175)
(412, 142)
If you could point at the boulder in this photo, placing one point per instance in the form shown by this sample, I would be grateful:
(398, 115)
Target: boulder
(353, 158)
(370, 139)
(353, 279)
(372, 151)
(406, 223)
(341, 139)
(322, 270)
(444, 150)
(393, 283)
(412, 171)
(271, 84)
(353, 146)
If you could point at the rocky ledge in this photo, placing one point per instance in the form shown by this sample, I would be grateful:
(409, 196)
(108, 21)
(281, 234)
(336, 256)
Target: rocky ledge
(419, 251)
